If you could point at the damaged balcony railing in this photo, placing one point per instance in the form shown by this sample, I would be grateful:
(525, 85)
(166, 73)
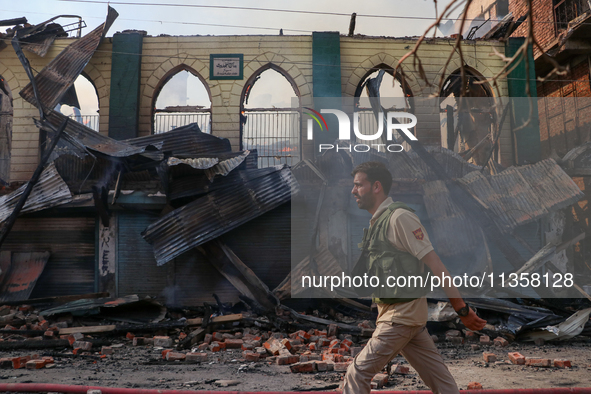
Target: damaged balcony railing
(567, 10)
(274, 132)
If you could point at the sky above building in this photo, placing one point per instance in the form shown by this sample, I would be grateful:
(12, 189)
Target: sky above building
(395, 18)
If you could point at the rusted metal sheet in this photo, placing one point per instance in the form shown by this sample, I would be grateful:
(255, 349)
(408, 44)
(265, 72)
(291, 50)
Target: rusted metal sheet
(22, 276)
(50, 190)
(219, 211)
(185, 141)
(523, 194)
(57, 77)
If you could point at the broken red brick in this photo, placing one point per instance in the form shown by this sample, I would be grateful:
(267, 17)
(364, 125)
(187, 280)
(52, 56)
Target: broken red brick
(233, 343)
(35, 364)
(47, 359)
(174, 356)
(489, 357)
(380, 379)
(84, 345)
(217, 336)
(76, 350)
(287, 360)
(182, 336)
(208, 338)
(44, 324)
(75, 337)
(474, 386)
(307, 367)
(215, 346)
(538, 362)
(562, 363)
(500, 341)
(475, 347)
(204, 346)
(399, 369)
(250, 356)
(165, 352)
(106, 350)
(129, 336)
(19, 362)
(517, 358)
(485, 340)
(341, 367)
(196, 357)
(49, 334)
(163, 341)
(138, 341)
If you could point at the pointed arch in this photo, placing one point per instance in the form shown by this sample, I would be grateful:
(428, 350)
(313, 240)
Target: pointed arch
(274, 132)
(202, 116)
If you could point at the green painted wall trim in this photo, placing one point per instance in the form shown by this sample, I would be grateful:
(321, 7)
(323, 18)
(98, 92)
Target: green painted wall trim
(125, 85)
(527, 140)
(326, 78)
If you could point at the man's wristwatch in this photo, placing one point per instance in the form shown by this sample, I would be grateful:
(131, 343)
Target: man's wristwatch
(463, 312)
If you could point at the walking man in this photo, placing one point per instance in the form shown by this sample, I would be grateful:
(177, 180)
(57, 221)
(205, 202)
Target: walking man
(397, 244)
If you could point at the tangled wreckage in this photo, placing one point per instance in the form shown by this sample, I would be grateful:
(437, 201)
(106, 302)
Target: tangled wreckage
(201, 235)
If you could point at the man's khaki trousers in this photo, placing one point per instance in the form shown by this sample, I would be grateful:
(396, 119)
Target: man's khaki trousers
(414, 343)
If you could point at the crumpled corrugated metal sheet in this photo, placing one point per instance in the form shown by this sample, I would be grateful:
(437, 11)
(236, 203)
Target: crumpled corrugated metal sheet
(128, 308)
(520, 195)
(197, 184)
(187, 141)
(50, 190)
(77, 138)
(57, 77)
(212, 166)
(453, 231)
(19, 282)
(219, 211)
(577, 162)
(408, 165)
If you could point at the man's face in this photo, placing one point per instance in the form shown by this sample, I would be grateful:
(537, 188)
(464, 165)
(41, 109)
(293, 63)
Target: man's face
(362, 191)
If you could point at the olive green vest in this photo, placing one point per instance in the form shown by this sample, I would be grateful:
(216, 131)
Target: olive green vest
(385, 260)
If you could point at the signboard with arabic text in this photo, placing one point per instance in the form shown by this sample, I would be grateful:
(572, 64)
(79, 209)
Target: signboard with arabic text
(226, 66)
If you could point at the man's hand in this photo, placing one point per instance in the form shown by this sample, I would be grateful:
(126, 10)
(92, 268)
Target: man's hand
(472, 321)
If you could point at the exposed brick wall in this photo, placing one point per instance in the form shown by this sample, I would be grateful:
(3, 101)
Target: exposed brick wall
(542, 14)
(565, 111)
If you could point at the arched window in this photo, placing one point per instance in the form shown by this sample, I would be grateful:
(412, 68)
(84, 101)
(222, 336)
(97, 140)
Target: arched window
(5, 129)
(81, 103)
(386, 91)
(182, 98)
(468, 116)
(269, 123)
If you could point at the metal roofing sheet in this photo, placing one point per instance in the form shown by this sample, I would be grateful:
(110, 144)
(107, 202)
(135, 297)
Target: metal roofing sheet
(57, 77)
(186, 141)
(25, 269)
(523, 194)
(219, 211)
(50, 190)
(77, 137)
(453, 231)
